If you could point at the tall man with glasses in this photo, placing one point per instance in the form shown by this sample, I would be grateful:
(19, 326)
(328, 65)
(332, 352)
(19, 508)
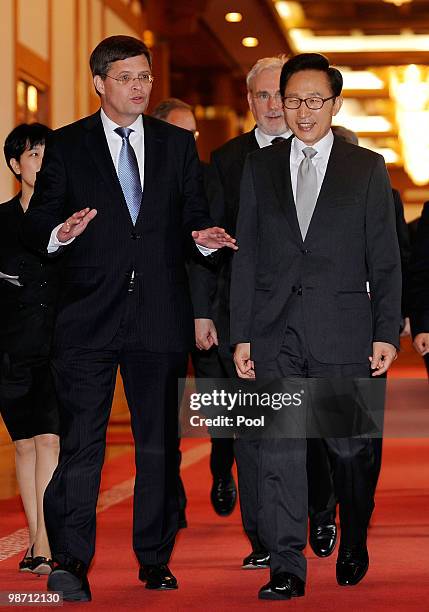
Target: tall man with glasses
(316, 223)
(130, 189)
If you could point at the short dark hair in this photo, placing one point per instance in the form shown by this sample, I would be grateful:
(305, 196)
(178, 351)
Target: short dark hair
(115, 48)
(25, 136)
(164, 108)
(311, 61)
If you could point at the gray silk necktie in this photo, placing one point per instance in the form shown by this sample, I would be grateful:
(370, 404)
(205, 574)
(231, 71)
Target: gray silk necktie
(306, 190)
(128, 174)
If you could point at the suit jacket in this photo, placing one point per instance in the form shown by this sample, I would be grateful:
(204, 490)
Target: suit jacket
(77, 172)
(209, 284)
(404, 243)
(351, 240)
(27, 311)
(418, 278)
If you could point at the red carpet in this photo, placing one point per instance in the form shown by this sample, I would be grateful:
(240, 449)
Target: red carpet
(208, 554)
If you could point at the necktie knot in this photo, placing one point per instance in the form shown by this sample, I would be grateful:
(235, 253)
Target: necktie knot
(309, 152)
(124, 132)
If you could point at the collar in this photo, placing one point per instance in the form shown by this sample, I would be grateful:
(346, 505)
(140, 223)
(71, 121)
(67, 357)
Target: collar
(264, 140)
(110, 126)
(323, 147)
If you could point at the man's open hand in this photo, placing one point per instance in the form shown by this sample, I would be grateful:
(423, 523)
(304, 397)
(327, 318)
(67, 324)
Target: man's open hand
(76, 224)
(214, 238)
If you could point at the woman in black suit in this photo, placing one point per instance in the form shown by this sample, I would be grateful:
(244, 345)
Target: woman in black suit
(28, 405)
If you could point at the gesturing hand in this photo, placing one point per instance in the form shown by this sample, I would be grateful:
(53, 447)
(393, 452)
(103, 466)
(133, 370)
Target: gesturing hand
(214, 238)
(76, 224)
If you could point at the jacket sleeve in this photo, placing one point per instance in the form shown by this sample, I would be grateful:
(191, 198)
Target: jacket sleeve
(418, 277)
(48, 203)
(244, 260)
(383, 258)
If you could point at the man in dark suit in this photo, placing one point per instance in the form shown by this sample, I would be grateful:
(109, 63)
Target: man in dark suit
(418, 287)
(124, 301)
(317, 225)
(210, 289)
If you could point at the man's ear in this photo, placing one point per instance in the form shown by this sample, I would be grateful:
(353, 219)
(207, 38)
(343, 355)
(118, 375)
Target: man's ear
(14, 164)
(99, 84)
(337, 104)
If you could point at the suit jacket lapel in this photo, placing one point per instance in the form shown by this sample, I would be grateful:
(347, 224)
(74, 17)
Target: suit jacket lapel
(154, 149)
(98, 148)
(329, 185)
(280, 170)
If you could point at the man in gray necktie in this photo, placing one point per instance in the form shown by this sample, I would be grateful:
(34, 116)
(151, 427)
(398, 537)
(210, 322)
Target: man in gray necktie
(316, 223)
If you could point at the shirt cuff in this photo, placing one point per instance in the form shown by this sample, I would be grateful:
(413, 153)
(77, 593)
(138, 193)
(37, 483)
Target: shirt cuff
(205, 250)
(54, 244)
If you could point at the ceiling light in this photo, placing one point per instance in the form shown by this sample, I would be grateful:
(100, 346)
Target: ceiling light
(366, 123)
(304, 41)
(398, 2)
(250, 41)
(360, 79)
(290, 12)
(409, 86)
(233, 17)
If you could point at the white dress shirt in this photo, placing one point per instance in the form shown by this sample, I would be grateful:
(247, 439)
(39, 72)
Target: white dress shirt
(320, 160)
(264, 140)
(114, 141)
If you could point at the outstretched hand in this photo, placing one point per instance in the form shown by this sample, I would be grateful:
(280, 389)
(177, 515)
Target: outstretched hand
(76, 224)
(214, 238)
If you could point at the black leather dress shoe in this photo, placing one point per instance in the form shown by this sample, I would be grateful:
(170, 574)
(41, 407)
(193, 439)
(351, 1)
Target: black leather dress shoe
(157, 577)
(352, 564)
(223, 495)
(257, 560)
(283, 586)
(70, 578)
(323, 539)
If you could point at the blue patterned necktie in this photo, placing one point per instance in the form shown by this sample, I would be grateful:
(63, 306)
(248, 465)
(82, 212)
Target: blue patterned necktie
(128, 173)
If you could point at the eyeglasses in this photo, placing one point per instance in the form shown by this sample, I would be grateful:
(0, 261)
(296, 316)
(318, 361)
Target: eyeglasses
(264, 96)
(126, 79)
(311, 103)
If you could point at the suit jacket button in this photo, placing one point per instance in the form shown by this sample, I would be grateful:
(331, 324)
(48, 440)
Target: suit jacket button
(135, 236)
(306, 251)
